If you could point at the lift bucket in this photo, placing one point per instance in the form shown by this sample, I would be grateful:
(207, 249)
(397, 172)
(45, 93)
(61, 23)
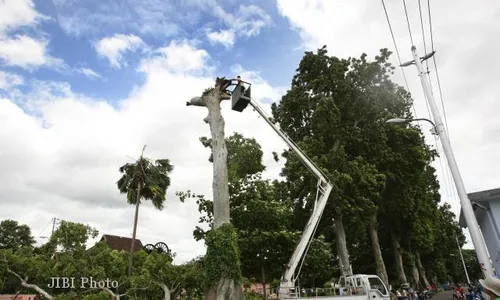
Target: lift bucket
(240, 97)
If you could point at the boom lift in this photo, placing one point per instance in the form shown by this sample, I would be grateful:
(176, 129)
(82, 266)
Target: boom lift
(373, 287)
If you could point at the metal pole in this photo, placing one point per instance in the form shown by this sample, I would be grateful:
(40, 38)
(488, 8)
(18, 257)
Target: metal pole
(53, 226)
(463, 261)
(468, 211)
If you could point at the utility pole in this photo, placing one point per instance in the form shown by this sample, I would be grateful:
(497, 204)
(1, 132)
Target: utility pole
(54, 220)
(468, 211)
(463, 261)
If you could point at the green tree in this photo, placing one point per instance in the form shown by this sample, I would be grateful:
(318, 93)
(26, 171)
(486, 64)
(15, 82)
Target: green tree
(14, 236)
(244, 156)
(261, 212)
(332, 112)
(144, 179)
(472, 265)
(22, 271)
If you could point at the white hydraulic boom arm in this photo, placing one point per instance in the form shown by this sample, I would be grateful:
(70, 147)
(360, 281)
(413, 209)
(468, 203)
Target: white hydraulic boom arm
(323, 192)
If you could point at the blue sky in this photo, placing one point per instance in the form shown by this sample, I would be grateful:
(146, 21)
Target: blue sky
(75, 27)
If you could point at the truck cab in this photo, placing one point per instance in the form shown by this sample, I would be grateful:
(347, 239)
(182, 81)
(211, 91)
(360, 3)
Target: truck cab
(370, 287)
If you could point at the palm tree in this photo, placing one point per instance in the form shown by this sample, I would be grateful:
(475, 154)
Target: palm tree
(144, 179)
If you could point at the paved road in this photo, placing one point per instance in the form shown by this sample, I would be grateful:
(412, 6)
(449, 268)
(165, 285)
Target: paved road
(446, 295)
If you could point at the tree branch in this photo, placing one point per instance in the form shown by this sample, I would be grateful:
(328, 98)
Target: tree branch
(136, 289)
(196, 101)
(109, 291)
(30, 286)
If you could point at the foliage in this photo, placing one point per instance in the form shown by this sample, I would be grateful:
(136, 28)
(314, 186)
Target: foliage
(244, 156)
(222, 258)
(153, 177)
(261, 212)
(14, 235)
(144, 179)
(99, 262)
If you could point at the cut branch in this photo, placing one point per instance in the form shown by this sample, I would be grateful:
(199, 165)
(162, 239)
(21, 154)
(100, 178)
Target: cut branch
(27, 285)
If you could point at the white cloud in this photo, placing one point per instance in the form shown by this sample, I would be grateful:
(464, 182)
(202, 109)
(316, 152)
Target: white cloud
(8, 80)
(113, 48)
(246, 21)
(178, 56)
(26, 52)
(465, 40)
(223, 37)
(18, 13)
(249, 20)
(89, 73)
(21, 50)
(81, 142)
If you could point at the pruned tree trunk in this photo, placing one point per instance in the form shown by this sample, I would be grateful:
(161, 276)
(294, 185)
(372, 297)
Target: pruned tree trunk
(30, 286)
(398, 258)
(421, 269)
(342, 245)
(225, 288)
(379, 259)
(219, 151)
(134, 232)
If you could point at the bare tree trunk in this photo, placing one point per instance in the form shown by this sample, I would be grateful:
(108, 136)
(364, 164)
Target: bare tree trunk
(421, 269)
(379, 259)
(398, 258)
(134, 232)
(27, 285)
(226, 288)
(342, 245)
(219, 151)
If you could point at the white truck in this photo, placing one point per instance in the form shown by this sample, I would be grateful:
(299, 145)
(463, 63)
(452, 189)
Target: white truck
(352, 287)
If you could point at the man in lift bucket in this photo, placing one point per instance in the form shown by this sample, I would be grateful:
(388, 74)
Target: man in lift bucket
(490, 288)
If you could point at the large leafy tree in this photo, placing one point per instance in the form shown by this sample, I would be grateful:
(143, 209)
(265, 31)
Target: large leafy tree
(14, 235)
(334, 111)
(144, 179)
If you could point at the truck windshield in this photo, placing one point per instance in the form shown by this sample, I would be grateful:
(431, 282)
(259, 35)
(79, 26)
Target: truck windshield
(376, 284)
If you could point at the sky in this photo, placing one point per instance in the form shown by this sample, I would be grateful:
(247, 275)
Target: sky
(85, 84)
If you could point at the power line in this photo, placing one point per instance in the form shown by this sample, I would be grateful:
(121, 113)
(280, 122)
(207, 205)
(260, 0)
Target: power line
(408, 22)
(397, 53)
(423, 33)
(435, 66)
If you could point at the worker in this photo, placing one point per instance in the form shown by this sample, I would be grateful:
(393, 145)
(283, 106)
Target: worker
(491, 288)
(240, 83)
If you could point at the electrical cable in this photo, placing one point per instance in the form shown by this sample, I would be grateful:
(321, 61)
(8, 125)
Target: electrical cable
(423, 33)
(408, 22)
(435, 66)
(397, 53)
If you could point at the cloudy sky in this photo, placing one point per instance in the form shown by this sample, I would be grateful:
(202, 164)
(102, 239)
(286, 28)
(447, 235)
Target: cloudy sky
(85, 84)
